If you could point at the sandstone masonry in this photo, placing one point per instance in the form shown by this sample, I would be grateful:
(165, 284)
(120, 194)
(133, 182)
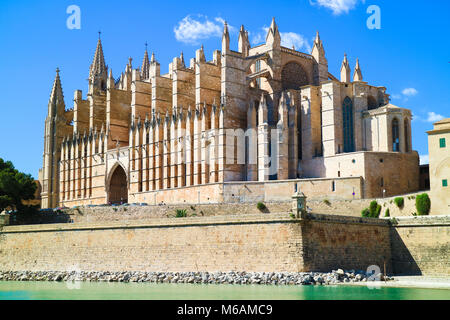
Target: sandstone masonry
(259, 114)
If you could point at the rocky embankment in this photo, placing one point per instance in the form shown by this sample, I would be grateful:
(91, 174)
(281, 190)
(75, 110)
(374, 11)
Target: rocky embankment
(261, 278)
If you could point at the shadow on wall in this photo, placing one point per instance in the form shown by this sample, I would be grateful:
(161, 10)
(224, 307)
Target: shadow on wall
(42, 217)
(403, 262)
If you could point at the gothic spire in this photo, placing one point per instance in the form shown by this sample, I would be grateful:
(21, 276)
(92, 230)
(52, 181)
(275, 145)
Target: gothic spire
(225, 38)
(182, 58)
(98, 65)
(317, 40)
(273, 35)
(357, 76)
(243, 42)
(56, 101)
(273, 25)
(345, 70)
(56, 95)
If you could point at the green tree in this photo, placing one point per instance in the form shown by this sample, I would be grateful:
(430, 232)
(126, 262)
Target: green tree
(15, 186)
(423, 204)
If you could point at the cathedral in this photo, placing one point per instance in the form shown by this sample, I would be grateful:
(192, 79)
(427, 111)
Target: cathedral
(248, 125)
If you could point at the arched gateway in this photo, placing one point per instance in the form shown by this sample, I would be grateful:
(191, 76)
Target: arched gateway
(118, 190)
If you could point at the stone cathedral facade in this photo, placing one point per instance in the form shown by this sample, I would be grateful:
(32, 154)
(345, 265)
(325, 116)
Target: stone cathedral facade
(209, 131)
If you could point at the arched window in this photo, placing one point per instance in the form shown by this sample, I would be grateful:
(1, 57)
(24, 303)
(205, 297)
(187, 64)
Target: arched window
(395, 136)
(347, 123)
(406, 135)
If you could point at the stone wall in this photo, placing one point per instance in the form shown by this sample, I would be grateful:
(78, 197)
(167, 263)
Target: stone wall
(345, 242)
(421, 245)
(252, 191)
(328, 206)
(273, 242)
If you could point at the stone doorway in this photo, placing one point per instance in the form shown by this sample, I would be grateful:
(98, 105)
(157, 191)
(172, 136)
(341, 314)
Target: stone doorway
(118, 190)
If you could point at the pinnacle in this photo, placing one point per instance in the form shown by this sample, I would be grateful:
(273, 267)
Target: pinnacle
(145, 73)
(273, 24)
(98, 64)
(57, 95)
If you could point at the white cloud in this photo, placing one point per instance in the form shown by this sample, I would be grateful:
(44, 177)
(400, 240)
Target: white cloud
(288, 39)
(433, 117)
(337, 6)
(410, 92)
(191, 30)
(424, 159)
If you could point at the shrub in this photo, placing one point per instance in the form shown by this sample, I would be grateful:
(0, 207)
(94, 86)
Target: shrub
(261, 206)
(292, 215)
(373, 209)
(387, 213)
(327, 202)
(181, 213)
(377, 211)
(399, 201)
(365, 213)
(423, 204)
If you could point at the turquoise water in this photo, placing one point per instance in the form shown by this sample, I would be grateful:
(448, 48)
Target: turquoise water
(150, 291)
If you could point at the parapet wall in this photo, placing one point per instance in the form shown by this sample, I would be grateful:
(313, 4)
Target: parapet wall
(253, 191)
(326, 206)
(256, 243)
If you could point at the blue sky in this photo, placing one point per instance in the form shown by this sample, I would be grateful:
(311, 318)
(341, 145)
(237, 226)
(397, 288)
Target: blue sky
(409, 54)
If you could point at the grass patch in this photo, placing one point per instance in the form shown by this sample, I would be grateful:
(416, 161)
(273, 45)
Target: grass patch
(181, 213)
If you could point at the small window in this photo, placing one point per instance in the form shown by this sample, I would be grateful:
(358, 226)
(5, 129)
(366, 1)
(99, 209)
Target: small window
(353, 161)
(442, 142)
(333, 186)
(382, 182)
(258, 66)
(445, 183)
(381, 160)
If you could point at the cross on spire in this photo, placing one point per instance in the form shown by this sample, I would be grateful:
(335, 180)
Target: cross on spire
(99, 34)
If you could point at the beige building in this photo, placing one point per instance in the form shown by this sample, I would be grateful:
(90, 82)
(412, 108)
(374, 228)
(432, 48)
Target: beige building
(439, 154)
(256, 115)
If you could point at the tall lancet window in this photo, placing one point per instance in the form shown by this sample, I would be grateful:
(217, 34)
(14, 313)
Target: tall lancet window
(347, 119)
(258, 69)
(406, 136)
(395, 136)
